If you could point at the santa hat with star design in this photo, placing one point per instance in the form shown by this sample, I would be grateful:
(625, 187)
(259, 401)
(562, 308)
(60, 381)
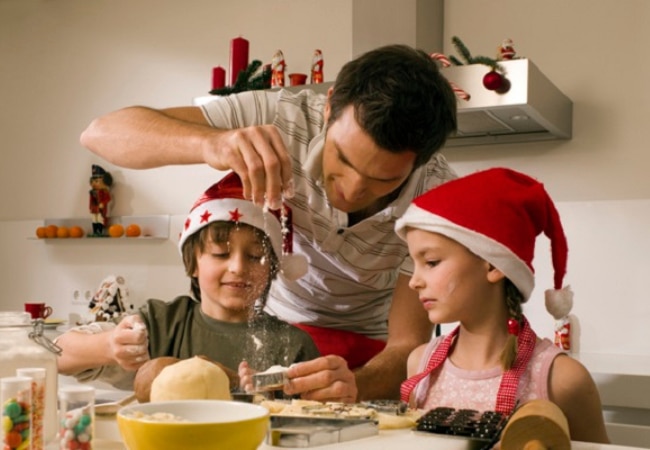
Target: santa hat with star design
(224, 201)
(497, 214)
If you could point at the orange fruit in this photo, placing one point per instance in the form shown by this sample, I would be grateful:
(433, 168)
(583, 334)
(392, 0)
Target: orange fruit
(116, 230)
(62, 232)
(76, 231)
(133, 230)
(50, 231)
(40, 232)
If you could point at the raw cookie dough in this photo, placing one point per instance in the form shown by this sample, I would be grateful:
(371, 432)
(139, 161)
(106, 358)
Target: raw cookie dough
(191, 379)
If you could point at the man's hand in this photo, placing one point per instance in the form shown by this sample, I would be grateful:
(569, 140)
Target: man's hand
(128, 343)
(245, 373)
(258, 155)
(326, 379)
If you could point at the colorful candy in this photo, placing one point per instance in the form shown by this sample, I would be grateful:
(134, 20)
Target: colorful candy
(16, 424)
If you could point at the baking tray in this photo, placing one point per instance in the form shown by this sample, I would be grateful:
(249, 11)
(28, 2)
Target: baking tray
(303, 432)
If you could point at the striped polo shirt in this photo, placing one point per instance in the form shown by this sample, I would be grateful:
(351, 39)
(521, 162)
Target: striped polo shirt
(352, 269)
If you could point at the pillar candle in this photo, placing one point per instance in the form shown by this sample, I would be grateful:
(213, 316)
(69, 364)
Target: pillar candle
(218, 77)
(238, 57)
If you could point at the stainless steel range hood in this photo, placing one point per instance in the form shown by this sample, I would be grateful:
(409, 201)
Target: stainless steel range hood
(533, 109)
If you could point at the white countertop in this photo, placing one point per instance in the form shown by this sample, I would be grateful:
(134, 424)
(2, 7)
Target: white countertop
(108, 438)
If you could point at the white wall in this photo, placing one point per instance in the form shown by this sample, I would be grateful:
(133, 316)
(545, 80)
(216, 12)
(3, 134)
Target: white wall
(64, 62)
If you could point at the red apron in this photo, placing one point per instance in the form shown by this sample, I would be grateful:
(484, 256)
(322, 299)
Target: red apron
(355, 348)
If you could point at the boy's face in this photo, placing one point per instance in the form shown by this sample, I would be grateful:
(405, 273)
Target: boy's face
(356, 172)
(232, 275)
(452, 283)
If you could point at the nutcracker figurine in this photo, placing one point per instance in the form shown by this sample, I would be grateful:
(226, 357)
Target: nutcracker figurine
(278, 67)
(100, 199)
(317, 67)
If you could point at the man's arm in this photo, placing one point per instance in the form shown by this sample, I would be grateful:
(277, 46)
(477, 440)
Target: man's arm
(139, 138)
(408, 327)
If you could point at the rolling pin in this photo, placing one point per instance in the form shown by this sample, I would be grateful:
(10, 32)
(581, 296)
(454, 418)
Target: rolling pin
(537, 425)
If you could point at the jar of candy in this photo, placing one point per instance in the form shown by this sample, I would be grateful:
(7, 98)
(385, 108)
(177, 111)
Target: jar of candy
(77, 417)
(16, 398)
(36, 376)
(23, 345)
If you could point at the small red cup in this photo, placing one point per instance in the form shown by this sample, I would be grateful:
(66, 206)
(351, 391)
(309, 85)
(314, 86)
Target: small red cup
(296, 79)
(38, 310)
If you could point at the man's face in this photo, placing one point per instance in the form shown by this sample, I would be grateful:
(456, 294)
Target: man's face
(357, 173)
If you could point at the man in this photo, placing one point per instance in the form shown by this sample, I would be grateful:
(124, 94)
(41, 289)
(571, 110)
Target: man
(348, 164)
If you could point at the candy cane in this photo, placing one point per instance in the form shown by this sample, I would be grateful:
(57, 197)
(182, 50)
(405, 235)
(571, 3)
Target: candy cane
(442, 58)
(444, 61)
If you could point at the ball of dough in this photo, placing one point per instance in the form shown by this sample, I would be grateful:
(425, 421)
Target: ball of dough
(147, 373)
(191, 379)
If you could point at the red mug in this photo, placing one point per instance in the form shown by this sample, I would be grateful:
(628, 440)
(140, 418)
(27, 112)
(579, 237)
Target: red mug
(296, 79)
(38, 310)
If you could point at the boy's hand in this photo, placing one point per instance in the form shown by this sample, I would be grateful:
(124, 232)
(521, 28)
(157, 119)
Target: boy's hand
(129, 343)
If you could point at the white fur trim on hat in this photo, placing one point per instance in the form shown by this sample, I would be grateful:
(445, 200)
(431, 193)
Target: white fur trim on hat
(292, 266)
(497, 254)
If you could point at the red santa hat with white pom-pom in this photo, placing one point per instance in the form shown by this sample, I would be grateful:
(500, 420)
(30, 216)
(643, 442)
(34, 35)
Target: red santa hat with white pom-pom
(224, 201)
(497, 214)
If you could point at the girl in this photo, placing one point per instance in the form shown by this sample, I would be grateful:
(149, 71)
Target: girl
(232, 250)
(472, 242)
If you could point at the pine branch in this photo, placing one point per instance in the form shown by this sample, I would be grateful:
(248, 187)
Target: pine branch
(462, 49)
(469, 59)
(247, 80)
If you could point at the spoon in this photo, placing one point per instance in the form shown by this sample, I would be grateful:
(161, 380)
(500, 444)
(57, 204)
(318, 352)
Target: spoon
(111, 408)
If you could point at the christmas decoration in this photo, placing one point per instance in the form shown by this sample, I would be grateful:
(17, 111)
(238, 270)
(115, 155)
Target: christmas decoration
(110, 302)
(492, 80)
(247, 80)
(278, 66)
(506, 51)
(444, 61)
(317, 67)
(495, 79)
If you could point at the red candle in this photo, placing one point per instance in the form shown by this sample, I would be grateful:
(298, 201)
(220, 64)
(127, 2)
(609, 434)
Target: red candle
(238, 57)
(218, 77)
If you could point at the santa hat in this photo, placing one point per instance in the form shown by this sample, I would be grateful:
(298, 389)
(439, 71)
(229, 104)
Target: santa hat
(497, 214)
(224, 201)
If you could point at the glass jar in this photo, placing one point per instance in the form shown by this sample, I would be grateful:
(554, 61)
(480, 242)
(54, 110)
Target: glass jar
(22, 345)
(37, 376)
(77, 417)
(16, 393)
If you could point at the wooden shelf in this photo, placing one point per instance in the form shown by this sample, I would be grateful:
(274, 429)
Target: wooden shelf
(153, 228)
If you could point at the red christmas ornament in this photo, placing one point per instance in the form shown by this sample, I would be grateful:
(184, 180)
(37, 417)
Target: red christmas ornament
(492, 80)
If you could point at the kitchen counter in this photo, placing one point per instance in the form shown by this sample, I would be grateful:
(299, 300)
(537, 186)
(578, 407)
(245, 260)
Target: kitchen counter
(108, 438)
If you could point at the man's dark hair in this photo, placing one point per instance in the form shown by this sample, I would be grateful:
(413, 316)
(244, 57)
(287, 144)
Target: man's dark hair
(400, 99)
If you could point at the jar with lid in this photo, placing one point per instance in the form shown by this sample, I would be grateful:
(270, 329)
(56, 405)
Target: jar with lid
(22, 344)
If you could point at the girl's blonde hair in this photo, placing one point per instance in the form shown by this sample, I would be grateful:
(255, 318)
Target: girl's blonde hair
(514, 300)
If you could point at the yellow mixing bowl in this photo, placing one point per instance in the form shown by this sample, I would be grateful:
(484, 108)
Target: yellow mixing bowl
(208, 425)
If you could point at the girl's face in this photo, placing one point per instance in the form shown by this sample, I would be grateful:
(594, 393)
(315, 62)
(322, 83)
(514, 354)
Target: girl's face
(232, 275)
(452, 282)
